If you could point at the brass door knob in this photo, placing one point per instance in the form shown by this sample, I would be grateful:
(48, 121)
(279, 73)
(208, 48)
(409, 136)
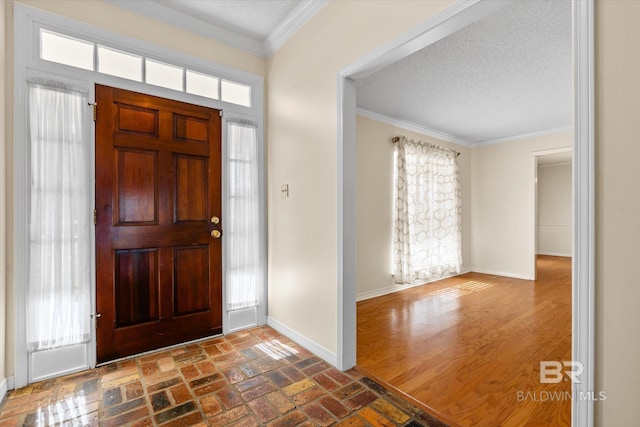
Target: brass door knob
(216, 234)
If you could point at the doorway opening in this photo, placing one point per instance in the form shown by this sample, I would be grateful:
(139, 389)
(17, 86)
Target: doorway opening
(446, 23)
(553, 201)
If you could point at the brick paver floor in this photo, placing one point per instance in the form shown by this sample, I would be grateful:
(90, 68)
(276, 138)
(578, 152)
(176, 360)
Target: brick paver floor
(249, 378)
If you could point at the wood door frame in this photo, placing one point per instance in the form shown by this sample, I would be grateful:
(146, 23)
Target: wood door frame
(27, 21)
(442, 24)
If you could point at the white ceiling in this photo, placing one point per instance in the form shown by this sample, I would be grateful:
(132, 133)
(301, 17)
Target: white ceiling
(256, 26)
(504, 76)
(256, 19)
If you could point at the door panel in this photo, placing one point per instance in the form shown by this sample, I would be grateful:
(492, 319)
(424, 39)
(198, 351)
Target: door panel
(190, 279)
(136, 119)
(137, 178)
(190, 188)
(157, 186)
(136, 286)
(192, 129)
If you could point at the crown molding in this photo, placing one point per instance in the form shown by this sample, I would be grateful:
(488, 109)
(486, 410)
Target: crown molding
(450, 138)
(159, 12)
(299, 16)
(523, 136)
(412, 127)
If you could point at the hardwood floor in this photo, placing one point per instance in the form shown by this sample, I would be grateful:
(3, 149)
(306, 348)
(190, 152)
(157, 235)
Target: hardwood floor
(469, 348)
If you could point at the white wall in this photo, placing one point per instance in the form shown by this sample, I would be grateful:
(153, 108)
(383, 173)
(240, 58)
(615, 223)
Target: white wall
(555, 212)
(502, 206)
(374, 204)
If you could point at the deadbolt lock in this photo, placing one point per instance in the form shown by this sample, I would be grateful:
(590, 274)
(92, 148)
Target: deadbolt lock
(215, 220)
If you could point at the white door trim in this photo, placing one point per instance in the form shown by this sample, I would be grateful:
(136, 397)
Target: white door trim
(451, 19)
(583, 335)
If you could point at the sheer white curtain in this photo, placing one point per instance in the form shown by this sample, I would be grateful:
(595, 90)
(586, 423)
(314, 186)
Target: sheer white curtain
(242, 227)
(60, 211)
(427, 241)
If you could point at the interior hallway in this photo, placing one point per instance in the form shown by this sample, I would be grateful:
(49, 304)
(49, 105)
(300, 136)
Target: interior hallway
(469, 347)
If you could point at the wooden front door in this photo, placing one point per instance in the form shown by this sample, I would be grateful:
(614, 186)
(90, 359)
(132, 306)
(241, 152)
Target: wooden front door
(158, 203)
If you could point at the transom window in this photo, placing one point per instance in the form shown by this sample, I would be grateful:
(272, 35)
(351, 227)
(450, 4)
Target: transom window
(74, 52)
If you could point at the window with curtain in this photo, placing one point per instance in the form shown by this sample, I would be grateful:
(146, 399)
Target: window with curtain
(60, 214)
(243, 277)
(427, 240)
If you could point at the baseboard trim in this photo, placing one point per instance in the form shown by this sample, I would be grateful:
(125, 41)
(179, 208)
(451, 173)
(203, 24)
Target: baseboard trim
(397, 288)
(501, 273)
(555, 254)
(305, 342)
(4, 388)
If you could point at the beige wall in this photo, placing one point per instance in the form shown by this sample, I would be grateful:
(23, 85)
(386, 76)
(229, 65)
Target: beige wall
(302, 135)
(121, 21)
(502, 216)
(617, 293)
(374, 204)
(555, 209)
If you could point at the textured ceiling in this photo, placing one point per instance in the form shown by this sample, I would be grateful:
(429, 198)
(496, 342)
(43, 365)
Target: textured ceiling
(506, 75)
(253, 18)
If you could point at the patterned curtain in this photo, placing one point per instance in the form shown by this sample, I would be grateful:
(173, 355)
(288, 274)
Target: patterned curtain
(427, 242)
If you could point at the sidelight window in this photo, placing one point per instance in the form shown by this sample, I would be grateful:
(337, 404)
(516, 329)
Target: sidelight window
(59, 285)
(243, 223)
